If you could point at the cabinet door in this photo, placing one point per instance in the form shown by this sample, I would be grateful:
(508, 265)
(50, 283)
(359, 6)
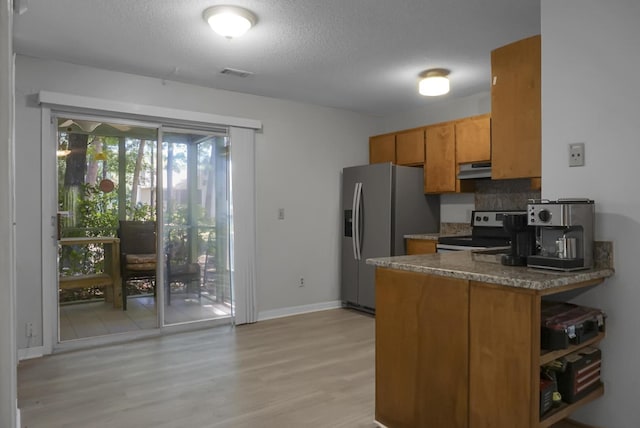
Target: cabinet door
(421, 246)
(440, 163)
(382, 148)
(421, 366)
(504, 340)
(410, 147)
(515, 110)
(473, 139)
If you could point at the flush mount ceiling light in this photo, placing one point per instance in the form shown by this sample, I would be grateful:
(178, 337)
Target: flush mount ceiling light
(229, 21)
(434, 82)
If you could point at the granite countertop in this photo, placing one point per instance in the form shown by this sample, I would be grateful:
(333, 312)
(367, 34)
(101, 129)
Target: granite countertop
(446, 229)
(483, 267)
(426, 236)
(434, 235)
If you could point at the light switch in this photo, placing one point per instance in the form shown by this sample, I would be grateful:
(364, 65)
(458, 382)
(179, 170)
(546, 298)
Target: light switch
(280, 213)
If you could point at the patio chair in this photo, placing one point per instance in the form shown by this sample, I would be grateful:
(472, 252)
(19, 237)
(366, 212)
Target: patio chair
(179, 270)
(137, 254)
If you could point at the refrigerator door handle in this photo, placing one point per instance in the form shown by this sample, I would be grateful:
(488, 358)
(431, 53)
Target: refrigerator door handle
(356, 221)
(354, 226)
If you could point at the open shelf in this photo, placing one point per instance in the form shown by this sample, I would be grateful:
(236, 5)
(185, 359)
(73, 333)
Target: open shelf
(548, 356)
(565, 409)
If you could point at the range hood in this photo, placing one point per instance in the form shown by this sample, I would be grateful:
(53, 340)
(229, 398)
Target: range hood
(474, 170)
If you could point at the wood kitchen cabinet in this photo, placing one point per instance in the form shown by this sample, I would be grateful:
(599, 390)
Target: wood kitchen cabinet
(451, 143)
(410, 149)
(440, 163)
(421, 246)
(382, 148)
(516, 149)
(452, 352)
(440, 148)
(401, 148)
(473, 139)
(421, 367)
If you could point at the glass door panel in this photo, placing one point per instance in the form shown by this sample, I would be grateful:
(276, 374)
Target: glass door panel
(106, 173)
(196, 217)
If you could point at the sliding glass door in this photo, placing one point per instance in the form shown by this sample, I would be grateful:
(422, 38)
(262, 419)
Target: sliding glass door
(143, 228)
(196, 226)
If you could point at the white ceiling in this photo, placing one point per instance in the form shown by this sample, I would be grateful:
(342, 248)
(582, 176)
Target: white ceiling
(361, 55)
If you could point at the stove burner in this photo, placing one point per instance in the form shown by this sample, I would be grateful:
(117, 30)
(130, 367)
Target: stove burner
(473, 241)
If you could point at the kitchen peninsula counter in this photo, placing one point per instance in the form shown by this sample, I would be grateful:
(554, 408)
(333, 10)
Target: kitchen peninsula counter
(458, 340)
(478, 266)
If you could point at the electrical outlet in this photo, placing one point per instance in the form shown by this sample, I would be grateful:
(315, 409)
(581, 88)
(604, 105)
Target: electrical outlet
(301, 282)
(576, 154)
(29, 331)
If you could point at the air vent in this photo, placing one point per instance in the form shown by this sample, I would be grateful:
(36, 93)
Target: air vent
(235, 72)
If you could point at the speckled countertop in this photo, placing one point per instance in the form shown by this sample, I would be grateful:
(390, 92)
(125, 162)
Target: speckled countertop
(446, 229)
(479, 267)
(425, 236)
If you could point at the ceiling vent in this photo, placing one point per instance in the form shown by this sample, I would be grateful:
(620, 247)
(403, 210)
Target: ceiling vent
(235, 72)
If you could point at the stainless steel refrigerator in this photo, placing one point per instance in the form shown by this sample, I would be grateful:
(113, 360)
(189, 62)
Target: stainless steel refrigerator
(381, 203)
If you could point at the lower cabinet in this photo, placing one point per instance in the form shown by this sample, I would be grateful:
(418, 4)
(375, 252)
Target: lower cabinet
(421, 367)
(456, 353)
(421, 246)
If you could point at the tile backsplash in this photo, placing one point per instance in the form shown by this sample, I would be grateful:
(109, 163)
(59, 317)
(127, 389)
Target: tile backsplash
(504, 194)
(448, 228)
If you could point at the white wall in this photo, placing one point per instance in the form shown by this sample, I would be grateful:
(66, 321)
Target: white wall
(440, 111)
(299, 156)
(591, 94)
(454, 208)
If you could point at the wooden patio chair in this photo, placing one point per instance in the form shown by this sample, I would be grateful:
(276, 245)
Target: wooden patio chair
(137, 253)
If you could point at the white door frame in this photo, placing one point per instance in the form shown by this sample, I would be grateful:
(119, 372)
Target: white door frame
(76, 106)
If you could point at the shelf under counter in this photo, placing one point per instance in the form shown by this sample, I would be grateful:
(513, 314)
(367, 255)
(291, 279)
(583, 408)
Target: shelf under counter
(566, 409)
(548, 356)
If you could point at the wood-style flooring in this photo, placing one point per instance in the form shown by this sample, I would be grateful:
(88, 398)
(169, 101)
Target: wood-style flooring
(92, 319)
(311, 370)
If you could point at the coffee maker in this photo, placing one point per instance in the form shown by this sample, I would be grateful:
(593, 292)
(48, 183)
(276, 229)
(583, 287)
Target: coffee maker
(522, 238)
(564, 229)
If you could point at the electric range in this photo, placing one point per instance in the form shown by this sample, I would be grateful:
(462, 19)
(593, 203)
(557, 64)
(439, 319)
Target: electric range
(486, 233)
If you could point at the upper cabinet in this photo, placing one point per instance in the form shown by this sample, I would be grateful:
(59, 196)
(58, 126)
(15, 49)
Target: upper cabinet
(473, 139)
(516, 109)
(410, 147)
(382, 148)
(401, 148)
(448, 145)
(440, 165)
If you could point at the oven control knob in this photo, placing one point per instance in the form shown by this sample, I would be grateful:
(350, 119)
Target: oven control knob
(544, 216)
(478, 218)
(485, 218)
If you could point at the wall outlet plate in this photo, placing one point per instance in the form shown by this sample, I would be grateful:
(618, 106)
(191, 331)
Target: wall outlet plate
(576, 154)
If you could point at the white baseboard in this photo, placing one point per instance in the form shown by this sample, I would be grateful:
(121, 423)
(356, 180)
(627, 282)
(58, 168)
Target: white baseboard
(29, 353)
(297, 310)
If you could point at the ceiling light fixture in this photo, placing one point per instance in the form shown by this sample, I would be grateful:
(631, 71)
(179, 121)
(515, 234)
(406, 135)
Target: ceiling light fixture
(229, 21)
(434, 82)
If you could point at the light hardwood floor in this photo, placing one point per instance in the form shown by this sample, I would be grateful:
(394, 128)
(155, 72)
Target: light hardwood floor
(312, 370)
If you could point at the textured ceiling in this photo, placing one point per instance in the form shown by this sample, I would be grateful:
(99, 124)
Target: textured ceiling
(361, 55)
